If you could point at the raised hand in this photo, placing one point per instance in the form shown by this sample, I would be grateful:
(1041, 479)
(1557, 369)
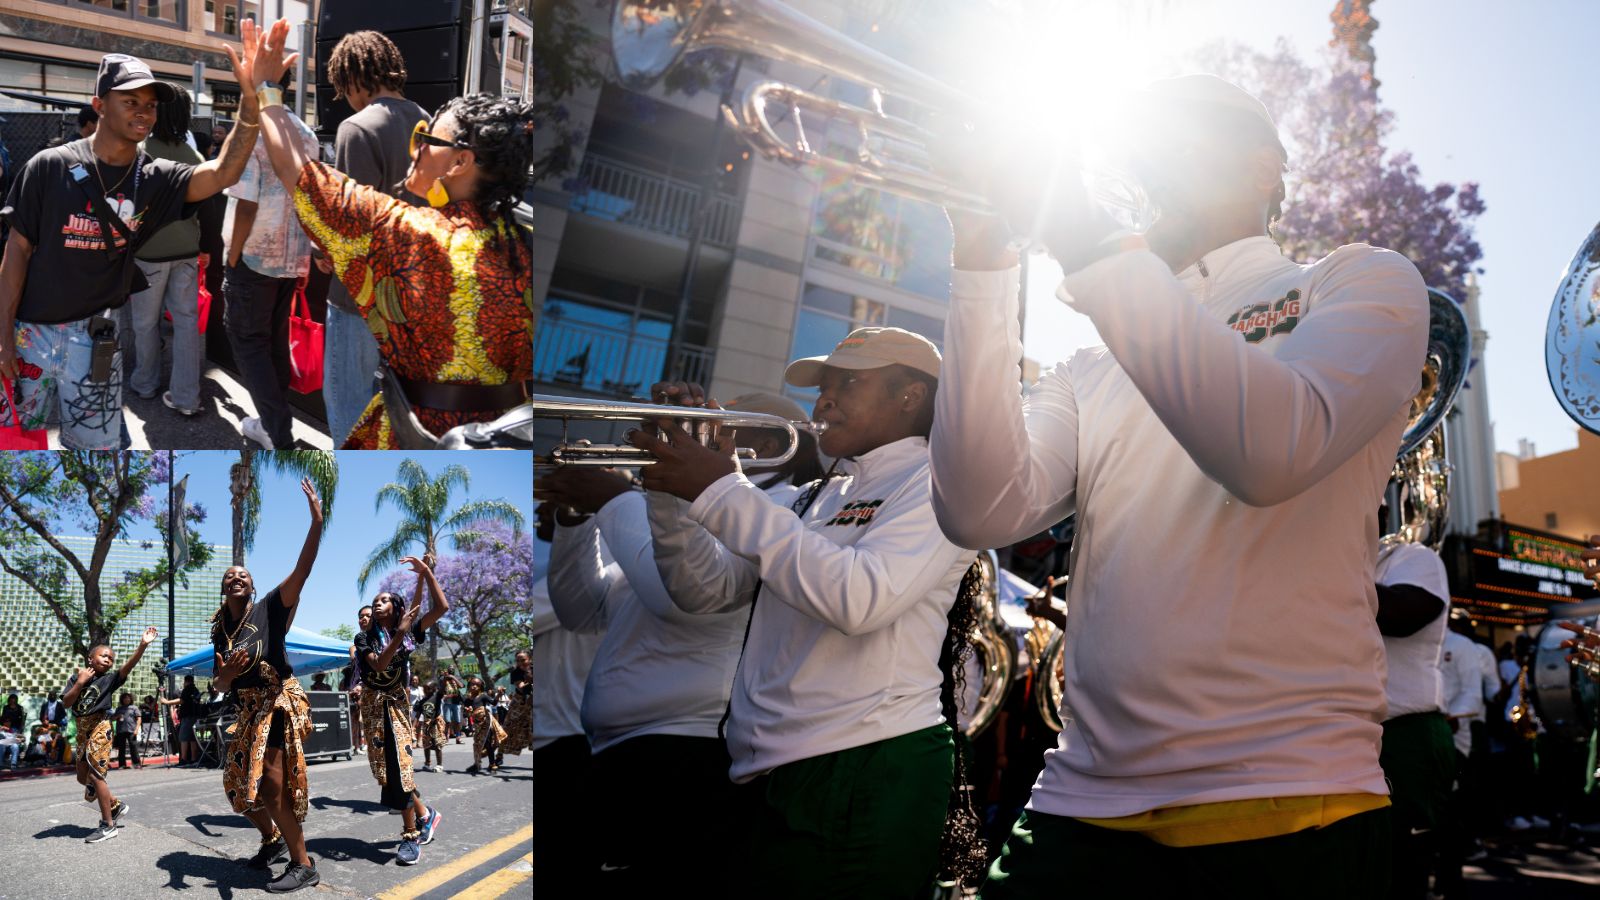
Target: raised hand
(149, 636)
(312, 500)
(419, 567)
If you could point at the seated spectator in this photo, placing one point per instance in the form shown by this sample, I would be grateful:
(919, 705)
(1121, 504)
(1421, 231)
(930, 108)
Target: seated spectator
(11, 743)
(12, 715)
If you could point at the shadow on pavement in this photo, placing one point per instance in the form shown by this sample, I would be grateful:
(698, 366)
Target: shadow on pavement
(193, 870)
(200, 823)
(346, 849)
(364, 807)
(65, 831)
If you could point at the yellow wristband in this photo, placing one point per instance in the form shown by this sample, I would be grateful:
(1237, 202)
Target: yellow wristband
(269, 96)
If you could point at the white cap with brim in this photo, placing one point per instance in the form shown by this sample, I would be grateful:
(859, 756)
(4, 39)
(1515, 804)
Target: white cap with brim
(868, 348)
(1202, 89)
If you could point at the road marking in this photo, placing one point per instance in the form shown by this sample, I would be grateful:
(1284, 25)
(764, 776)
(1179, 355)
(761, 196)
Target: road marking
(500, 883)
(427, 881)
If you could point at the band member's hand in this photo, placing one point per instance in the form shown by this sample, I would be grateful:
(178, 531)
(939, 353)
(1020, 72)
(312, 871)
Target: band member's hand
(1585, 647)
(678, 393)
(684, 467)
(149, 636)
(583, 488)
(1590, 558)
(312, 500)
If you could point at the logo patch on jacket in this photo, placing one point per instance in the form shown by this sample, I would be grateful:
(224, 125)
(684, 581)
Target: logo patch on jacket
(859, 513)
(1258, 321)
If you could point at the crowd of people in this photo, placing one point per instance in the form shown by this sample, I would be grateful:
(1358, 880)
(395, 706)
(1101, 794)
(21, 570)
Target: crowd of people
(412, 216)
(1259, 695)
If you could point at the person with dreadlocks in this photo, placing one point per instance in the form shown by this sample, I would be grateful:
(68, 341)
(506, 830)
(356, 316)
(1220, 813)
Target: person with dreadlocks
(841, 722)
(383, 653)
(487, 733)
(170, 263)
(446, 288)
(264, 765)
(89, 695)
(372, 147)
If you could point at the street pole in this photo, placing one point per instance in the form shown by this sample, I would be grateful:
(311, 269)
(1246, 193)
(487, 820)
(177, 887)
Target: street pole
(300, 71)
(171, 642)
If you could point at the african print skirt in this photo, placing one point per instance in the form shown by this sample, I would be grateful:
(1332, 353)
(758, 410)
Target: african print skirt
(433, 734)
(486, 732)
(386, 722)
(519, 725)
(94, 747)
(247, 748)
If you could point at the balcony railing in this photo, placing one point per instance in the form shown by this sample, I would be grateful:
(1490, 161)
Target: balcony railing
(618, 192)
(604, 360)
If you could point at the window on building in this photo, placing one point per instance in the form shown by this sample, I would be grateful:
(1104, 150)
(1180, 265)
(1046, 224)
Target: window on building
(1550, 521)
(604, 336)
(903, 242)
(170, 11)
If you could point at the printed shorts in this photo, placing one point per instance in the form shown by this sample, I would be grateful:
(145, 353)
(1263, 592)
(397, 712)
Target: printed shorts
(54, 363)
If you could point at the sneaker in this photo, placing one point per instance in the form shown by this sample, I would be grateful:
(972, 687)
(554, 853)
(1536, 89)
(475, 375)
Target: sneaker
(471, 770)
(1518, 823)
(118, 811)
(429, 826)
(1476, 853)
(1539, 821)
(361, 750)
(439, 769)
(268, 853)
(253, 430)
(105, 832)
(408, 852)
(294, 878)
(166, 397)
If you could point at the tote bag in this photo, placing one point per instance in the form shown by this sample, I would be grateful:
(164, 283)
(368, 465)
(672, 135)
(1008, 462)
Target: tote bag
(305, 347)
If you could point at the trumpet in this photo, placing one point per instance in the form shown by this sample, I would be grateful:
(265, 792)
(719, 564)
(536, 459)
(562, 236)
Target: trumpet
(893, 154)
(703, 425)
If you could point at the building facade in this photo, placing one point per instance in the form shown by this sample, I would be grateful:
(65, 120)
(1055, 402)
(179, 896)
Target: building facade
(1558, 492)
(35, 656)
(783, 264)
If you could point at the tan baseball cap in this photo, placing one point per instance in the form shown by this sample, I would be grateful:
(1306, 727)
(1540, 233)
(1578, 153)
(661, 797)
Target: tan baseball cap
(770, 404)
(868, 348)
(1205, 90)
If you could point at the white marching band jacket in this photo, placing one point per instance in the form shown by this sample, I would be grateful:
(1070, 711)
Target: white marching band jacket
(845, 637)
(1225, 453)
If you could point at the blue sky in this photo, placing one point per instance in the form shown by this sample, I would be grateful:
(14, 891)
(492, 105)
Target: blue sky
(355, 530)
(1480, 91)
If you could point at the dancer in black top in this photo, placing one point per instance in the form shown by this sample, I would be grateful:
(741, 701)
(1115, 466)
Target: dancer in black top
(89, 696)
(430, 721)
(383, 655)
(264, 769)
(519, 723)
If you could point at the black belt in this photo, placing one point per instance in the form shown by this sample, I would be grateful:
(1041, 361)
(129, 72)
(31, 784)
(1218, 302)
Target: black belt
(464, 397)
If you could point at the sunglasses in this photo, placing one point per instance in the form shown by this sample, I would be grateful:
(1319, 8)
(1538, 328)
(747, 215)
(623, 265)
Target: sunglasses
(420, 135)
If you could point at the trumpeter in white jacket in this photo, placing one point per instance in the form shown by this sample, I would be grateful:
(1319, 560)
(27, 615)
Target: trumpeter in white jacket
(1225, 453)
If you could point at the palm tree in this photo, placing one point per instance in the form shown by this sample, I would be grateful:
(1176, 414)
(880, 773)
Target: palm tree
(426, 517)
(318, 465)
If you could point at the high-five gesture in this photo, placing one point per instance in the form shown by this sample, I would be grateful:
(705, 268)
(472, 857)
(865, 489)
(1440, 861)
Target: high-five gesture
(263, 60)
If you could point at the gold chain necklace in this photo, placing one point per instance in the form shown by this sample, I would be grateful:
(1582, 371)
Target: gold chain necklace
(245, 617)
(98, 177)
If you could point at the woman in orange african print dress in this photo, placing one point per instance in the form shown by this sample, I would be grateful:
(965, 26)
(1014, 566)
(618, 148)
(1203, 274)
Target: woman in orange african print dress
(447, 289)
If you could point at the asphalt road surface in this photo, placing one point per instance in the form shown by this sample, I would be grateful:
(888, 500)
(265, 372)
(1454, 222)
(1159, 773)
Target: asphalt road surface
(181, 839)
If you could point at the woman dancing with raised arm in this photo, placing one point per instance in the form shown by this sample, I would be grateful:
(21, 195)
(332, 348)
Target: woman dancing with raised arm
(264, 768)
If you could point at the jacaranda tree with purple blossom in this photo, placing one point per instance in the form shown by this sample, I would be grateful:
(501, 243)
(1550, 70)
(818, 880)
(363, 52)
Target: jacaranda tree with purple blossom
(1345, 184)
(101, 494)
(489, 582)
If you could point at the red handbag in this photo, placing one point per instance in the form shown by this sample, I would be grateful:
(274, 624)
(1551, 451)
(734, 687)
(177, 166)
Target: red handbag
(14, 436)
(305, 346)
(202, 299)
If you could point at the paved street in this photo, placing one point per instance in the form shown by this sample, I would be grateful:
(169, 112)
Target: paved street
(180, 835)
(1537, 868)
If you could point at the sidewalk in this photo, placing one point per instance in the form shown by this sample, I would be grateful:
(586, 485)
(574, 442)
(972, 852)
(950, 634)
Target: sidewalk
(72, 769)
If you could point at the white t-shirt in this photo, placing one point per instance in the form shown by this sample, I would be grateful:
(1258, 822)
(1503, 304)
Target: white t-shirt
(658, 670)
(1413, 684)
(561, 661)
(1225, 454)
(1470, 679)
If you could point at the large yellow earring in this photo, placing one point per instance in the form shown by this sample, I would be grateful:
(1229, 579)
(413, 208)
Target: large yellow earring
(437, 195)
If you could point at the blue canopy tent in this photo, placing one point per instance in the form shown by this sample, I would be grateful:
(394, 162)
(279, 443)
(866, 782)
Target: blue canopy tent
(308, 653)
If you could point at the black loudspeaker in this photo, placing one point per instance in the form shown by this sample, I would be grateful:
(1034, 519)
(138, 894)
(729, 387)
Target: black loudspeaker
(430, 34)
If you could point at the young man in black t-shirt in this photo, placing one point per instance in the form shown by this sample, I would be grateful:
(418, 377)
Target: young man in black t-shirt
(66, 267)
(89, 695)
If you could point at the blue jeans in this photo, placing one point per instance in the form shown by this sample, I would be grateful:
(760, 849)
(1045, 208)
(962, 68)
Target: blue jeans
(55, 361)
(174, 286)
(9, 754)
(349, 362)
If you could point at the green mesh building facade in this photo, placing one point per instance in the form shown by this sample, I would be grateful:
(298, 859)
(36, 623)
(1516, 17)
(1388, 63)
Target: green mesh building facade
(34, 653)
